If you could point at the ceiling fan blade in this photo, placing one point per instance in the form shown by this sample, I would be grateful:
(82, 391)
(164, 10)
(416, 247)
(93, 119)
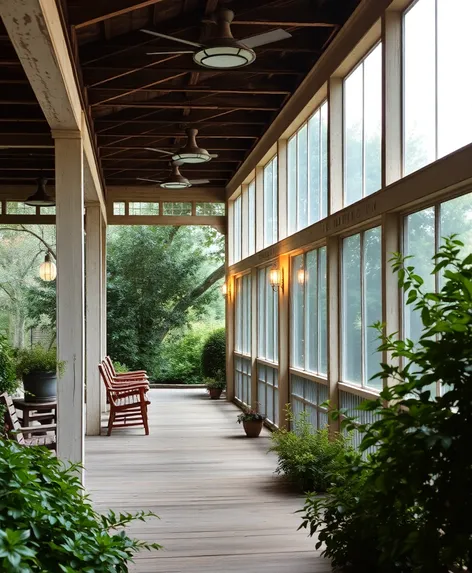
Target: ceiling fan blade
(182, 41)
(213, 155)
(158, 150)
(266, 38)
(150, 180)
(173, 52)
(198, 181)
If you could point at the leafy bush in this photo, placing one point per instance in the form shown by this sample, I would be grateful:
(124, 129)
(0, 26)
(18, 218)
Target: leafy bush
(37, 359)
(307, 457)
(218, 383)
(251, 415)
(8, 381)
(406, 508)
(48, 525)
(120, 368)
(214, 353)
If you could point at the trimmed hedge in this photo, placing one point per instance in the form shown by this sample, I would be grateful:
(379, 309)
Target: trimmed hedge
(214, 354)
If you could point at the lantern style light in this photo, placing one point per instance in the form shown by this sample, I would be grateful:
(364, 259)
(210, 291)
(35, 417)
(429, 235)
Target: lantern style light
(276, 279)
(47, 270)
(224, 289)
(40, 198)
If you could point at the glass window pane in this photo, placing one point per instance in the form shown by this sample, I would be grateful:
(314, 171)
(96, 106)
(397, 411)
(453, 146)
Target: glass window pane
(372, 268)
(456, 218)
(315, 158)
(420, 243)
(351, 310)
(261, 302)
(324, 161)
(137, 208)
(310, 278)
(454, 40)
(292, 185)
(419, 63)
(323, 313)
(373, 120)
(298, 312)
(302, 163)
(353, 135)
(252, 220)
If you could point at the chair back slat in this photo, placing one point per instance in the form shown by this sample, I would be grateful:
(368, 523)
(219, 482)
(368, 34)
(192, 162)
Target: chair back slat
(107, 381)
(109, 362)
(11, 418)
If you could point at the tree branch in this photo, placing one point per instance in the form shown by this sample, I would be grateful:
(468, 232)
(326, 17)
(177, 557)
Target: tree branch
(23, 229)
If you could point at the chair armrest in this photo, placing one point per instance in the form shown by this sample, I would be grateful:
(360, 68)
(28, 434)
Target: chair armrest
(120, 386)
(131, 379)
(120, 394)
(131, 373)
(34, 429)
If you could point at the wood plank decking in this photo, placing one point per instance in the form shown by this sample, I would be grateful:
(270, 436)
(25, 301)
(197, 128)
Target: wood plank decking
(222, 509)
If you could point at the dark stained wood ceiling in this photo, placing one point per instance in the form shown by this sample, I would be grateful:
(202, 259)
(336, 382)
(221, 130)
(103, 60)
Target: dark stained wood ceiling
(136, 101)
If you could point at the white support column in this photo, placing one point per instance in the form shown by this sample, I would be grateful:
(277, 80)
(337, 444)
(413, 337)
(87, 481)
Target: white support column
(70, 293)
(103, 308)
(93, 322)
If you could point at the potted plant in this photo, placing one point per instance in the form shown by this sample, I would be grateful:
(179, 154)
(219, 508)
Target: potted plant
(252, 422)
(38, 368)
(215, 387)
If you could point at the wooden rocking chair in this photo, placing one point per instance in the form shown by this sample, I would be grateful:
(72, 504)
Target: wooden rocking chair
(128, 402)
(21, 433)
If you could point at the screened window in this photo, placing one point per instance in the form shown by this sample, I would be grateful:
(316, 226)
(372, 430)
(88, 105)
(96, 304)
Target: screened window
(119, 208)
(268, 392)
(361, 307)
(177, 209)
(14, 208)
(307, 184)
(249, 221)
(243, 314)
(267, 318)
(363, 128)
(136, 208)
(242, 382)
(423, 233)
(270, 203)
(437, 113)
(47, 210)
(309, 312)
(308, 396)
(210, 209)
(237, 235)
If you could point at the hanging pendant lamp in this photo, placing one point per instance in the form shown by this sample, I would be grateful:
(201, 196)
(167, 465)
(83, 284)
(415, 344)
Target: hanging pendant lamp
(40, 198)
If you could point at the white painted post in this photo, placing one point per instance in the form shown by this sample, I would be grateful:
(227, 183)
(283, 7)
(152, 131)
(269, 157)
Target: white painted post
(93, 322)
(70, 294)
(103, 325)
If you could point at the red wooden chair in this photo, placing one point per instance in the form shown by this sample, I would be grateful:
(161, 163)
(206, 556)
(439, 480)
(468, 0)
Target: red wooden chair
(128, 402)
(23, 434)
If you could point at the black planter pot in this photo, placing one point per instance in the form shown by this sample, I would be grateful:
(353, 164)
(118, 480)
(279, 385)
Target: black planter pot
(40, 386)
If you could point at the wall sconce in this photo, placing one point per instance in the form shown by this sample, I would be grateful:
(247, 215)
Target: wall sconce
(276, 279)
(47, 270)
(301, 276)
(224, 289)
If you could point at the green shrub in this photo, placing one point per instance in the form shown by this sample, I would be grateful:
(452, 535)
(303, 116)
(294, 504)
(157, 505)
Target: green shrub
(218, 383)
(37, 359)
(406, 508)
(307, 457)
(120, 368)
(8, 381)
(180, 357)
(214, 354)
(48, 525)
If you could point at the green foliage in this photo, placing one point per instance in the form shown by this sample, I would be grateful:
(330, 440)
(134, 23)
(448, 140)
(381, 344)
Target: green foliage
(214, 354)
(307, 457)
(250, 415)
(159, 279)
(37, 359)
(180, 357)
(406, 508)
(8, 381)
(48, 525)
(218, 383)
(120, 368)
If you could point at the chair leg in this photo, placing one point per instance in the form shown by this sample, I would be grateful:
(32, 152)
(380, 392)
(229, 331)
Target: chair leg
(111, 419)
(144, 415)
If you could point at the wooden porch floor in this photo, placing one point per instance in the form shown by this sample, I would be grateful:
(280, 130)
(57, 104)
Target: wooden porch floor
(222, 509)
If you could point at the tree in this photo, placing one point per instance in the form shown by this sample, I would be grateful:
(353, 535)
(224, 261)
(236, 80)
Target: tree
(156, 275)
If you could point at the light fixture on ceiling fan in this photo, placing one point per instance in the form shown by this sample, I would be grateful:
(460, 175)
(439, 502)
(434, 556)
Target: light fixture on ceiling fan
(40, 197)
(223, 51)
(190, 153)
(175, 180)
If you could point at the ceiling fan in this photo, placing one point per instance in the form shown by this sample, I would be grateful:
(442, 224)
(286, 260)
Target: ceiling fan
(223, 51)
(175, 180)
(190, 153)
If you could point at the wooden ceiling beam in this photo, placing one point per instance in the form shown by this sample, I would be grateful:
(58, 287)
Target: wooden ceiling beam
(29, 141)
(214, 147)
(99, 91)
(163, 106)
(100, 11)
(177, 134)
(102, 122)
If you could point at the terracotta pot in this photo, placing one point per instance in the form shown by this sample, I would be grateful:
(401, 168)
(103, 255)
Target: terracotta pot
(215, 393)
(253, 428)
